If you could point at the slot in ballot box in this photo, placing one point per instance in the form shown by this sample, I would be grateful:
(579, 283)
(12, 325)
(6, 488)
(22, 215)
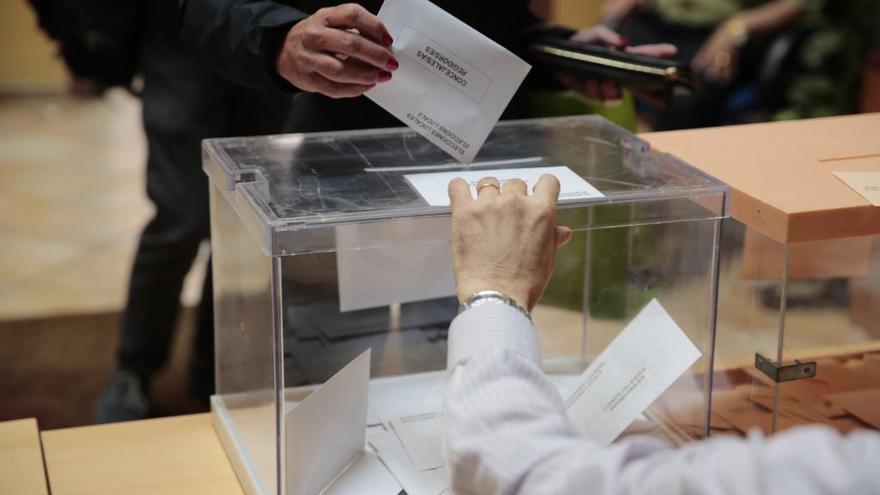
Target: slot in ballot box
(798, 338)
(325, 245)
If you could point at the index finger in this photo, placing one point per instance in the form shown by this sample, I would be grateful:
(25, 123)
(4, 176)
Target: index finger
(360, 47)
(459, 192)
(547, 188)
(355, 16)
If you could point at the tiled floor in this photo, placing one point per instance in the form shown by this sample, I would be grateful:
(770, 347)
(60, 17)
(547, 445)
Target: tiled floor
(72, 204)
(58, 157)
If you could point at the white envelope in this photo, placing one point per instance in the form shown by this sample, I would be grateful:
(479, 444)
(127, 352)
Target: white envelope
(453, 83)
(326, 432)
(648, 356)
(395, 270)
(421, 433)
(434, 186)
(366, 475)
(414, 481)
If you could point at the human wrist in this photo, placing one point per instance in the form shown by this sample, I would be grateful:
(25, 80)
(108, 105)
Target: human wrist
(516, 293)
(491, 297)
(282, 62)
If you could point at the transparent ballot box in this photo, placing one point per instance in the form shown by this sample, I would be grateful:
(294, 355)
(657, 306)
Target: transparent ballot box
(323, 248)
(798, 338)
(798, 328)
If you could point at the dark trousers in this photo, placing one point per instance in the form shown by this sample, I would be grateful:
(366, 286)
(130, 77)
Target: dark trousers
(183, 103)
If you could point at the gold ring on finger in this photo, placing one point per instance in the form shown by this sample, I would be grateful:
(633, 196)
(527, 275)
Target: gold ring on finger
(488, 184)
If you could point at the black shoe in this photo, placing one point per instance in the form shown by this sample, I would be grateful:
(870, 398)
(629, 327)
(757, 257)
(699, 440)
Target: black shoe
(124, 399)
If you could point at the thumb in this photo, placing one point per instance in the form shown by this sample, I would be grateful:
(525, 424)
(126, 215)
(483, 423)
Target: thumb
(563, 235)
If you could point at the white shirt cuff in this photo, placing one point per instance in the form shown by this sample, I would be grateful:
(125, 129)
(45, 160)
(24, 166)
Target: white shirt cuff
(491, 326)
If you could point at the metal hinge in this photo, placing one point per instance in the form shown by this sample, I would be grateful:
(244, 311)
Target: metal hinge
(779, 373)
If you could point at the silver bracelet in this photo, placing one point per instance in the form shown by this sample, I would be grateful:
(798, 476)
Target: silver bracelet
(484, 296)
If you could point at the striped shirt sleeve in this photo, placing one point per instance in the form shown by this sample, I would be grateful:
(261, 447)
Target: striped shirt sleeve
(506, 432)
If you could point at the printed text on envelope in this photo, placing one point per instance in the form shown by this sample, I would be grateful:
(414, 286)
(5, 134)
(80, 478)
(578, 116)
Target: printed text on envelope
(444, 64)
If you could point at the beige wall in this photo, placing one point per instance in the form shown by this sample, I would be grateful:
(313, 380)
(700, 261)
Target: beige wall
(575, 13)
(27, 58)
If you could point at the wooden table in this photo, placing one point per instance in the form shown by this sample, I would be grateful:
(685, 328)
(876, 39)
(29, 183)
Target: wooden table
(21, 458)
(167, 456)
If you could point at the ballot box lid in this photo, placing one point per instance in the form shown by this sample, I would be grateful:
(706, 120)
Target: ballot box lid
(285, 186)
(781, 174)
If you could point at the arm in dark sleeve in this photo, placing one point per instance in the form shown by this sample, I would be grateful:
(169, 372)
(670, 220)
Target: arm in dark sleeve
(239, 39)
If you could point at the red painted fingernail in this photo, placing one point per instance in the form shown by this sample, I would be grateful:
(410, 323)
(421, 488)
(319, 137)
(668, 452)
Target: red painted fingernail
(384, 76)
(392, 64)
(387, 39)
(624, 41)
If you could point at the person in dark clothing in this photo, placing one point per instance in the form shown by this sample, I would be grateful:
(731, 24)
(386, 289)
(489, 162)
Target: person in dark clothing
(183, 102)
(291, 46)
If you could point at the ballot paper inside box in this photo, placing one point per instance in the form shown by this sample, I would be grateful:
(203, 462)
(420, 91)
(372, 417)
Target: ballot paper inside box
(326, 245)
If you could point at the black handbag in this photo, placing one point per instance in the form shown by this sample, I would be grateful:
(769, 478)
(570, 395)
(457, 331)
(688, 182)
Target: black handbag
(551, 48)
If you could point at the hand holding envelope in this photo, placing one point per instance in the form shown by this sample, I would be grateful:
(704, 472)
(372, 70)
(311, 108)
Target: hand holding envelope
(453, 84)
(340, 52)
